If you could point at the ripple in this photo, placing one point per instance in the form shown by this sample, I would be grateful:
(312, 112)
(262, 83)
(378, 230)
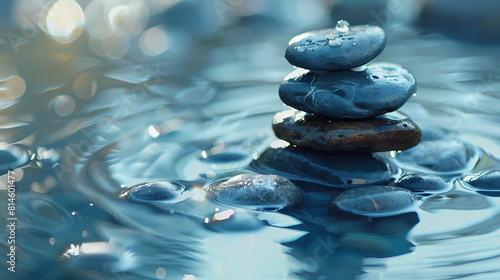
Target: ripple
(13, 156)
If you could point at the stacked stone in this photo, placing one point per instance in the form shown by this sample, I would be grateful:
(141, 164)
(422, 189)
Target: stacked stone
(342, 104)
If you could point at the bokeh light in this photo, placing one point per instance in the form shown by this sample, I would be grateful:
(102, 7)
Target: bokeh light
(65, 21)
(154, 41)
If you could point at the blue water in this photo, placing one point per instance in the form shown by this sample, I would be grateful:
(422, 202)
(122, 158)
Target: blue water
(92, 122)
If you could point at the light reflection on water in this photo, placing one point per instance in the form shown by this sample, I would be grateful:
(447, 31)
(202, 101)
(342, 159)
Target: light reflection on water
(191, 99)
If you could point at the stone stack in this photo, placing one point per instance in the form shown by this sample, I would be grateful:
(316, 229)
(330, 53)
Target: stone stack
(341, 103)
(343, 110)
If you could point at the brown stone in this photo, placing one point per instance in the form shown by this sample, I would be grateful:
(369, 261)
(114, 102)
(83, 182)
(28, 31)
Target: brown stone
(393, 131)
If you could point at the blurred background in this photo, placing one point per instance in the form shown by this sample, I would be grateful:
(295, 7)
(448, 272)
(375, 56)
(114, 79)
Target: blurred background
(97, 96)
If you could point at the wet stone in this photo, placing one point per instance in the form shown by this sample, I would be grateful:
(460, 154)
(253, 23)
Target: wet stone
(485, 182)
(388, 132)
(425, 184)
(336, 49)
(438, 154)
(155, 192)
(380, 88)
(340, 169)
(259, 192)
(374, 201)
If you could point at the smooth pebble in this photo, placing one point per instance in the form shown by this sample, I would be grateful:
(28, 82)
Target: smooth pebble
(168, 192)
(374, 201)
(381, 88)
(340, 169)
(388, 132)
(336, 49)
(259, 192)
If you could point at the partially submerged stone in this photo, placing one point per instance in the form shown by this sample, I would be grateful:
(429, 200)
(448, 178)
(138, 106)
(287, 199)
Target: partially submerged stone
(440, 154)
(156, 192)
(484, 182)
(429, 184)
(258, 191)
(374, 201)
(341, 169)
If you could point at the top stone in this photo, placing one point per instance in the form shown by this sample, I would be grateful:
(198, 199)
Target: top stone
(336, 49)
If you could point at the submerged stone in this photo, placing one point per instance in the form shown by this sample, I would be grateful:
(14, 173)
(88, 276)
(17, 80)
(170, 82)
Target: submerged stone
(341, 169)
(374, 201)
(425, 184)
(383, 133)
(485, 182)
(336, 49)
(156, 192)
(439, 154)
(258, 191)
(380, 88)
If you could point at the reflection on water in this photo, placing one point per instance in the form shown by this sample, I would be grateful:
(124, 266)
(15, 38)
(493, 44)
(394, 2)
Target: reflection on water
(98, 96)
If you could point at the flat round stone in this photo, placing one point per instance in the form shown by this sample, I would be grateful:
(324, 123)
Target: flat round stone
(380, 88)
(374, 201)
(339, 169)
(393, 131)
(331, 50)
(485, 182)
(166, 192)
(258, 191)
(425, 184)
(441, 154)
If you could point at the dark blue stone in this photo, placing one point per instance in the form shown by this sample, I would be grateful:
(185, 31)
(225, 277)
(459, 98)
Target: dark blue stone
(381, 88)
(156, 192)
(374, 201)
(425, 184)
(341, 169)
(258, 191)
(329, 50)
(485, 182)
(440, 154)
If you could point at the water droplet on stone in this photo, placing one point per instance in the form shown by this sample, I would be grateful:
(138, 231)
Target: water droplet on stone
(312, 47)
(322, 42)
(301, 49)
(336, 42)
(342, 26)
(156, 192)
